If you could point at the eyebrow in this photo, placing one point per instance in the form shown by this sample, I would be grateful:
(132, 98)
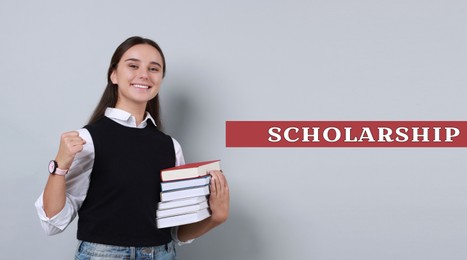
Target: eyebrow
(152, 62)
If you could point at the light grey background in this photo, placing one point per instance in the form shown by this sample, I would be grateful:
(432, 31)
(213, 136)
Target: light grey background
(255, 60)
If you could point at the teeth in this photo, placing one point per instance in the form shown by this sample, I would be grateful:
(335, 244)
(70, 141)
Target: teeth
(140, 86)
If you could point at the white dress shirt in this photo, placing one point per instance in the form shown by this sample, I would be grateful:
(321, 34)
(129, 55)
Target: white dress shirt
(78, 176)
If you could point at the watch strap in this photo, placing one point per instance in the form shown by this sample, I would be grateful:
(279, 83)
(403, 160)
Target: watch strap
(59, 171)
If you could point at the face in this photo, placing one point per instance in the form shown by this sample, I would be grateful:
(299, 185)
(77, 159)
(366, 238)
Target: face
(138, 76)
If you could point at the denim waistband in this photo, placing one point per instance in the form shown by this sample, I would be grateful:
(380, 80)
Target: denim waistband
(87, 250)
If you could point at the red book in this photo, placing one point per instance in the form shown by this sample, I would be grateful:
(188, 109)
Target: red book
(190, 170)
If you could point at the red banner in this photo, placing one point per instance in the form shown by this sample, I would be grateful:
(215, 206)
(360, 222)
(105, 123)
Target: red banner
(346, 133)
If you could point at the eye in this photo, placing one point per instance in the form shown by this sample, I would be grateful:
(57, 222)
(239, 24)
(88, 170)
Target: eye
(133, 66)
(153, 69)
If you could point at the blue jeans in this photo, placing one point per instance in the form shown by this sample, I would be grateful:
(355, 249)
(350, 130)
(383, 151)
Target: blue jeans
(93, 251)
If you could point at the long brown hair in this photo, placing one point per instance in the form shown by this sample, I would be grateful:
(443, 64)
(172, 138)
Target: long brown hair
(110, 95)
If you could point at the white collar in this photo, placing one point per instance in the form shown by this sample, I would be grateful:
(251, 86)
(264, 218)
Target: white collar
(127, 119)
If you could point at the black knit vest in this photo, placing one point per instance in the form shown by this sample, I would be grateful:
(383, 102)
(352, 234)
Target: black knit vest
(120, 205)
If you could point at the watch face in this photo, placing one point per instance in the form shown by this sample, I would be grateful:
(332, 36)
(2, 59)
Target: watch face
(52, 166)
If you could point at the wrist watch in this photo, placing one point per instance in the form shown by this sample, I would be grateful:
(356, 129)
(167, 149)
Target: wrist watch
(53, 168)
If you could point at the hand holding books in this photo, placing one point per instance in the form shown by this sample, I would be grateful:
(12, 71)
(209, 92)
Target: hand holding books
(184, 194)
(219, 199)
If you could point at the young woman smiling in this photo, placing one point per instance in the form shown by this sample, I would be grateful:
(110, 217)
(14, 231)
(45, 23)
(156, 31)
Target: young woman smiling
(107, 173)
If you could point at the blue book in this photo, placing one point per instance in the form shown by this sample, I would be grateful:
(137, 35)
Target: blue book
(185, 193)
(187, 183)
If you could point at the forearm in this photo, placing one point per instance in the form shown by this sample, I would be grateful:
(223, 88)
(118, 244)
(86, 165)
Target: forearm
(54, 195)
(195, 230)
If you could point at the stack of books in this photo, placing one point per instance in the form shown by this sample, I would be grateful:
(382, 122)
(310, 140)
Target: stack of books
(184, 191)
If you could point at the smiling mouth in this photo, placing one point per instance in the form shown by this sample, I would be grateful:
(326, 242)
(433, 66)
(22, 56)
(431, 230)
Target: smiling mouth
(141, 86)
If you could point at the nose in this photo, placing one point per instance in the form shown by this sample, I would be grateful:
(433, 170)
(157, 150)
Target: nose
(143, 73)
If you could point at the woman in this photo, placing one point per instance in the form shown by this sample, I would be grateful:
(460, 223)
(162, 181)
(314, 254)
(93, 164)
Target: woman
(107, 172)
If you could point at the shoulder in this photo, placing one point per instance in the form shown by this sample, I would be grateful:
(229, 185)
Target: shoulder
(180, 159)
(96, 123)
(177, 145)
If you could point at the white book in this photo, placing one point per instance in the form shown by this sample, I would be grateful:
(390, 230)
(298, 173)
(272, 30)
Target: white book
(181, 210)
(185, 193)
(187, 183)
(183, 219)
(180, 202)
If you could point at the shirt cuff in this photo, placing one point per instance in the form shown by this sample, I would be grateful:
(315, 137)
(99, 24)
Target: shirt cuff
(55, 224)
(174, 233)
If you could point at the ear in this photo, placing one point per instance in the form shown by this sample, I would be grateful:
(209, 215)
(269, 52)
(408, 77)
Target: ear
(113, 77)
